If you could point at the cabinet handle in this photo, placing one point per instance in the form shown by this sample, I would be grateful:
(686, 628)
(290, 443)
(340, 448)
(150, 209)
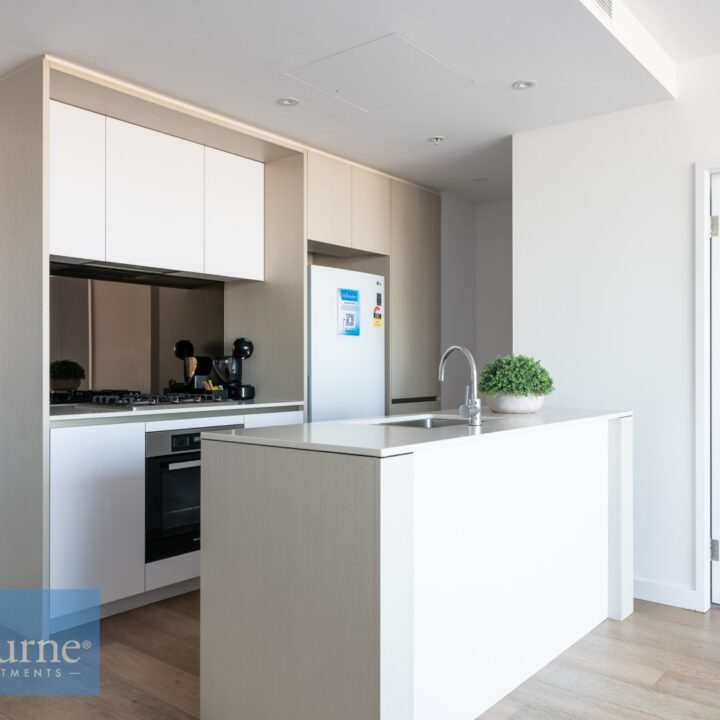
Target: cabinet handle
(403, 401)
(184, 465)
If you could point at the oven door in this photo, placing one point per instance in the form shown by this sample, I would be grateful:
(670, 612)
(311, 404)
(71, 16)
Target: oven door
(172, 505)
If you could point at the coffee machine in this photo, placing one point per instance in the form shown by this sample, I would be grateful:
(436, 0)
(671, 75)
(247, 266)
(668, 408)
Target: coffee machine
(229, 370)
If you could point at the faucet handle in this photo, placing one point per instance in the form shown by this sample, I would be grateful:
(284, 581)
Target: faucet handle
(470, 408)
(464, 409)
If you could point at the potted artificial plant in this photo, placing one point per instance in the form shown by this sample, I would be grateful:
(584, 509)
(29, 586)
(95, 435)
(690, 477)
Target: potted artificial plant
(515, 384)
(66, 375)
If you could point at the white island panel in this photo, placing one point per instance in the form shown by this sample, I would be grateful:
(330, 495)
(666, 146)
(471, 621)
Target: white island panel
(510, 559)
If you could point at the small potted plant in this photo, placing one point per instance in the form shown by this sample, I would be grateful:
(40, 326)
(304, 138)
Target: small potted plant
(66, 375)
(515, 384)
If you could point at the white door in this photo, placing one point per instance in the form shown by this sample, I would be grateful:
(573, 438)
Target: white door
(234, 216)
(155, 199)
(77, 183)
(715, 382)
(347, 344)
(97, 509)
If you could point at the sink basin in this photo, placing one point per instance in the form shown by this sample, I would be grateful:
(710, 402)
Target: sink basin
(428, 423)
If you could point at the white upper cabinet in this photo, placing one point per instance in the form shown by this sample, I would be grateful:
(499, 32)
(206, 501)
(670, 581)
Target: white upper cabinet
(77, 182)
(121, 193)
(234, 216)
(155, 199)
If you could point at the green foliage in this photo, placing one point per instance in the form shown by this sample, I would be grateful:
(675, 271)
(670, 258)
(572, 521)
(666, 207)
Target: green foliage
(66, 370)
(515, 375)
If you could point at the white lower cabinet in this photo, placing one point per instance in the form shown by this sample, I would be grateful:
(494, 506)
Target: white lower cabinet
(294, 417)
(97, 509)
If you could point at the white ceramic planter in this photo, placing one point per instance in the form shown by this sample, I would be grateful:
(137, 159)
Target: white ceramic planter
(516, 404)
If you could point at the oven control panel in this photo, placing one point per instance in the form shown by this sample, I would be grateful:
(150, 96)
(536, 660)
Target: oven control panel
(186, 442)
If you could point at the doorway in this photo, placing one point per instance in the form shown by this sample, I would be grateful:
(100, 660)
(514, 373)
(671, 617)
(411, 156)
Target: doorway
(714, 250)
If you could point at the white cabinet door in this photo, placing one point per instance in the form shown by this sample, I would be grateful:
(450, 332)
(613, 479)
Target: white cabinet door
(294, 417)
(77, 182)
(234, 216)
(97, 509)
(154, 199)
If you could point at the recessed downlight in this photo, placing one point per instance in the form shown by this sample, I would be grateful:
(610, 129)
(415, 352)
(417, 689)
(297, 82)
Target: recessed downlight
(436, 139)
(287, 101)
(524, 84)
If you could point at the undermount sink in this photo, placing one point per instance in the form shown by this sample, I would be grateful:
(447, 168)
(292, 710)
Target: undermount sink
(427, 422)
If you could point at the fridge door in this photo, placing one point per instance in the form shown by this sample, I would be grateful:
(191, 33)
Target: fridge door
(347, 344)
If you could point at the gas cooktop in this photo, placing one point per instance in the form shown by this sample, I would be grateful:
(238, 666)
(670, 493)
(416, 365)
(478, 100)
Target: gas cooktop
(136, 399)
(122, 398)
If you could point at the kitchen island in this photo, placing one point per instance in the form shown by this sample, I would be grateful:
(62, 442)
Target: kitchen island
(408, 568)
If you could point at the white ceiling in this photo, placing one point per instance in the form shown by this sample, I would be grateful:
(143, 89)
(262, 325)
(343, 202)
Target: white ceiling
(234, 57)
(686, 29)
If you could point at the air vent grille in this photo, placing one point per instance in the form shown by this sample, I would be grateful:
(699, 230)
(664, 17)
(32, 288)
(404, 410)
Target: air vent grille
(606, 6)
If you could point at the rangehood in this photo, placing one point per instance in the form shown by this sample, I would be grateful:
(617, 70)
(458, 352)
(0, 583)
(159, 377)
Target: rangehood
(62, 267)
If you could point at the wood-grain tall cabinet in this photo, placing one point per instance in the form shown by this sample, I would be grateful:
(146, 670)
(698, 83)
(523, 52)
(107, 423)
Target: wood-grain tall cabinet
(414, 297)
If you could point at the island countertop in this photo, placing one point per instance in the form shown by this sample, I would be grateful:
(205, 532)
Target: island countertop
(380, 437)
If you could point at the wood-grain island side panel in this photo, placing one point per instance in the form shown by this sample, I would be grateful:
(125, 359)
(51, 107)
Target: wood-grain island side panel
(289, 584)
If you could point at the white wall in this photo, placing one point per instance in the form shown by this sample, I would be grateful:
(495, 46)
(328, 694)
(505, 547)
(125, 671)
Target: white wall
(493, 314)
(603, 292)
(457, 292)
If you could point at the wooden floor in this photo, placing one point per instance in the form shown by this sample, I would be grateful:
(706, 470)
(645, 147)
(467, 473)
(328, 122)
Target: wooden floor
(149, 662)
(660, 663)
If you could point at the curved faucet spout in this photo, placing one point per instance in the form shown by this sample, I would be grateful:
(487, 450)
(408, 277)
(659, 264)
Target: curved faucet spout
(471, 407)
(471, 362)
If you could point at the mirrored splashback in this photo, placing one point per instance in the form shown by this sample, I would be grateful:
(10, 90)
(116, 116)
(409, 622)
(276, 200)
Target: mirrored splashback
(123, 334)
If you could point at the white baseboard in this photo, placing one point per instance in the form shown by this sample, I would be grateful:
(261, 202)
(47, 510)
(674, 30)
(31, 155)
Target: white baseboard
(147, 598)
(172, 570)
(676, 595)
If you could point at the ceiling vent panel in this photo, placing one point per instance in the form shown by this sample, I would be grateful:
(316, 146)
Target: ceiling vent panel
(388, 71)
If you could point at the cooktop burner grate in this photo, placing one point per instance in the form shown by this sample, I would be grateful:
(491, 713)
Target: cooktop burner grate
(138, 399)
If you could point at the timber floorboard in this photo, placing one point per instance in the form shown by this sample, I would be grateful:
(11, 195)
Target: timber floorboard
(149, 665)
(660, 664)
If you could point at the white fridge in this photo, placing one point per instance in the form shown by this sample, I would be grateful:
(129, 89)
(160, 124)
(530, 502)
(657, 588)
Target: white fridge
(347, 344)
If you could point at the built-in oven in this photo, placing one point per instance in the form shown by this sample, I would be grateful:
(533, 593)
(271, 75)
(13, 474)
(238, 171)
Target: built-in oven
(172, 492)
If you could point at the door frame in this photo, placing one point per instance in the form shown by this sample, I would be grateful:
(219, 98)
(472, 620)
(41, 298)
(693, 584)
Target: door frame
(703, 374)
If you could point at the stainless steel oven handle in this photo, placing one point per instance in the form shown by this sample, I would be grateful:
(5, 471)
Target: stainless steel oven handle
(184, 465)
